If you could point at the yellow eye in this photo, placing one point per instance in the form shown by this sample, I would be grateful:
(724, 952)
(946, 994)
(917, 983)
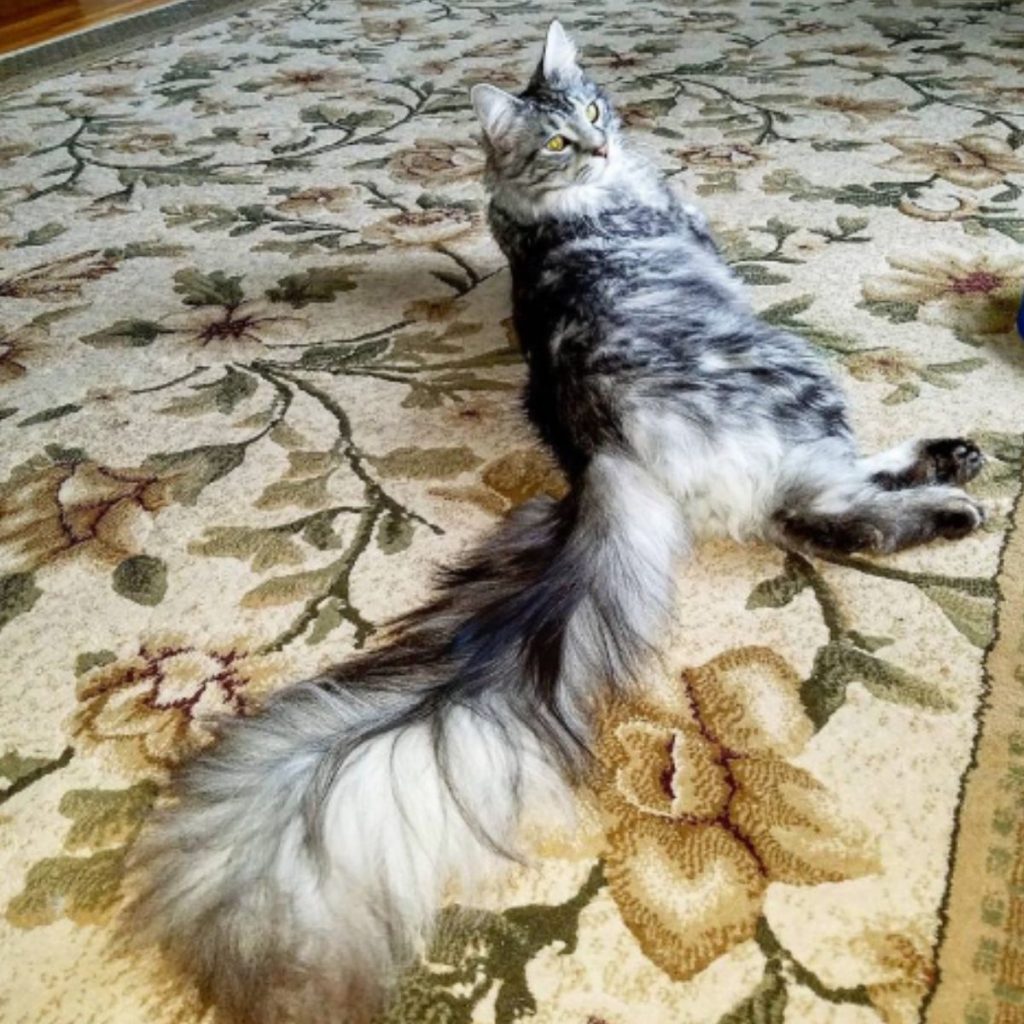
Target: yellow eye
(556, 143)
(593, 112)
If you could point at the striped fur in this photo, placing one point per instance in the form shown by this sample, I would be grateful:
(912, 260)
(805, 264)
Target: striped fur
(306, 853)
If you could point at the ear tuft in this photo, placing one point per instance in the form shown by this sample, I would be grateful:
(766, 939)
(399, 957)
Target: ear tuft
(559, 59)
(494, 107)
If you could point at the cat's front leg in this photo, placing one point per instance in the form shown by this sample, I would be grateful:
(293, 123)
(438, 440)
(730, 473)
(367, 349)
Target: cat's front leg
(700, 226)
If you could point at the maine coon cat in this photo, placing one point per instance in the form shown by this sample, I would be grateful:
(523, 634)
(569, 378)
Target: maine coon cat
(310, 847)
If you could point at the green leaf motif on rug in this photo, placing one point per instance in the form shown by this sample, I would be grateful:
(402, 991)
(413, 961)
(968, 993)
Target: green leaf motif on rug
(317, 284)
(214, 289)
(221, 395)
(894, 312)
(394, 533)
(196, 468)
(766, 1004)
(142, 579)
(286, 589)
(88, 660)
(18, 593)
(308, 493)
(14, 767)
(56, 413)
(867, 642)
(41, 236)
(905, 392)
(778, 591)
(334, 358)
(106, 817)
(328, 618)
(972, 615)
(144, 250)
(85, 889)
(474, 950)
(125, 334)
(263, 549)
(838, 664)
(756, 274)
(426, 463)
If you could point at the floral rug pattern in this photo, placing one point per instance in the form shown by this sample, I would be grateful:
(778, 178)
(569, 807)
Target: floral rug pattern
(257, 378)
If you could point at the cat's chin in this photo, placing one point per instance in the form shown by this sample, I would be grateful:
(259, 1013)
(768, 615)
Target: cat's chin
(580, 199)
(595, 173)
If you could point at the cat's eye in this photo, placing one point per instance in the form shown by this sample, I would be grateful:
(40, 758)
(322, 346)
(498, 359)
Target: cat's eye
(556, 143)
(593, 112)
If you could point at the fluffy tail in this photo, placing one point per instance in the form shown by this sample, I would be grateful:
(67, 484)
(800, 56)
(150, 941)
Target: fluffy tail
(310, 847)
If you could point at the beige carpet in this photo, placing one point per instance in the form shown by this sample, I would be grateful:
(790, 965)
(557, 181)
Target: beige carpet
(256, 379)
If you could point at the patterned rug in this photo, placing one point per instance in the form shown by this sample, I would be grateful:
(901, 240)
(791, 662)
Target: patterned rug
(256, 380)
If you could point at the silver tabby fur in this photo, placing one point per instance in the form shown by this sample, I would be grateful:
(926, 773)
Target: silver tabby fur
(307, 852)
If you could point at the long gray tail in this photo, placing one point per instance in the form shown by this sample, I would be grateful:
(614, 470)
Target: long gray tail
(310, 847)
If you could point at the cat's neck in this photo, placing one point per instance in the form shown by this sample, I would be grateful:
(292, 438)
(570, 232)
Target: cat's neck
(622, 219)
(630, 182)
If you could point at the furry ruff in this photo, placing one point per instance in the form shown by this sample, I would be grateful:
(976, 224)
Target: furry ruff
(308, 850)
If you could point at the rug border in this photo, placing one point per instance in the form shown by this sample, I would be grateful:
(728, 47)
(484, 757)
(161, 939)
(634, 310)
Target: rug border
(28, 66)
(944, 991)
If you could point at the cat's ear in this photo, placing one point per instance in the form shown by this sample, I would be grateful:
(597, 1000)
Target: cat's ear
(559, 60)
(495, 108)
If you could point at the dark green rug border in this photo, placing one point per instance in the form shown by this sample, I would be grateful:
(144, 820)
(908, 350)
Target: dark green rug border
(48, 60)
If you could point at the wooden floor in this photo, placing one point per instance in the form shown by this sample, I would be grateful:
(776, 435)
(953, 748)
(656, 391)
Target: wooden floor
(26, 22)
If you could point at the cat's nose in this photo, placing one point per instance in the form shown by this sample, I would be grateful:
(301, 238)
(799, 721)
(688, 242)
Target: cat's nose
(601, 150)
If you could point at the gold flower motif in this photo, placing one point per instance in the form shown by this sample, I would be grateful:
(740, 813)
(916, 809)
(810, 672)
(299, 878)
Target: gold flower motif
(906, 966)
(12, 149)
(225, 329)
(638, 115)
(296, 81)
(803, 243)
(111, 91)
(51, 509)
(734, 156)
(158, 707)
(886, 364)
(974, 161)
(380, 30)
(523, 474)
(144, 142)
(496, 49)
(435, 310)
(973, 293)
(509, 480)
(702, 810)
(508, 76)
(436, 162)
(858, 110)
(866, 50)
(935, 206)
(59, 279)
(19, 349)
(314, 199)
(422, 227)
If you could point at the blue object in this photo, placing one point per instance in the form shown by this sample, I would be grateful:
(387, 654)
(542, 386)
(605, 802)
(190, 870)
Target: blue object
(1020, 319)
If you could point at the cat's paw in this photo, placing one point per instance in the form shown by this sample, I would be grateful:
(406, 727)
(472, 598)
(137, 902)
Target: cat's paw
(958, 517)
(953, 460)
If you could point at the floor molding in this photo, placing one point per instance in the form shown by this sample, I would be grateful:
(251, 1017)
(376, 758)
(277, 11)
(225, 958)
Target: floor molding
(59, 56)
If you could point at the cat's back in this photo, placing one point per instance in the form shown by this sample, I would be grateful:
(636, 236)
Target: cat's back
(592, 248)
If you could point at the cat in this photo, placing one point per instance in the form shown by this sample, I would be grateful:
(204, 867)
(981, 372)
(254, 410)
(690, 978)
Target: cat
(309, 849)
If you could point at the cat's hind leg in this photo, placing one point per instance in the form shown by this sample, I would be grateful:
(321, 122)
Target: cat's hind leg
(884, 503)
(934, 460)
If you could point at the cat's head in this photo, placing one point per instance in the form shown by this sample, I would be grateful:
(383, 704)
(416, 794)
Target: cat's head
(556, 143)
